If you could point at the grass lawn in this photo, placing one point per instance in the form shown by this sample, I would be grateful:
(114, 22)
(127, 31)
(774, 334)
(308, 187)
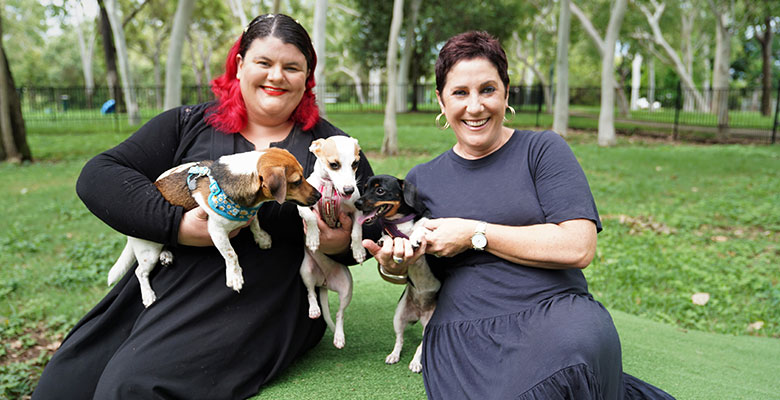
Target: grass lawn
(678, 219)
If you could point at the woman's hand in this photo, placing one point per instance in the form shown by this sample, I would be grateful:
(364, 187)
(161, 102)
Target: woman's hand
(334, 240)
(394, 256)
(449, 236)
(193, 228)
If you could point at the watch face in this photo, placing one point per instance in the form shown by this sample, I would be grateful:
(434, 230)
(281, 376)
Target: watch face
(479, 241)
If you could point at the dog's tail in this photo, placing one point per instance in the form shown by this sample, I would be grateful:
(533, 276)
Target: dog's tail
(326, 308)
(122, 265)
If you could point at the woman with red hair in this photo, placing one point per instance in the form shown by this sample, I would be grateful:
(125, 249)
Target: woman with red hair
(201, 340)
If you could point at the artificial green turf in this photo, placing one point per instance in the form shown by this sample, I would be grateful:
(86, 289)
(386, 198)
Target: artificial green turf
(687, 364)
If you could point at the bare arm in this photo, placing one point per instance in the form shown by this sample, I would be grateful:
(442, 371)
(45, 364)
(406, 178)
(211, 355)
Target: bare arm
(569, 244)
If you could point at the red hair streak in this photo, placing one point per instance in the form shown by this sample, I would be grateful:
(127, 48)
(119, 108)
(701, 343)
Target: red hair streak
(229, 114)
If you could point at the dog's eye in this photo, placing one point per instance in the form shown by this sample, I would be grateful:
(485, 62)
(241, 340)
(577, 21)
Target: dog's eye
(380, 191)
(355, 164)
(335, 165)
(298, 182)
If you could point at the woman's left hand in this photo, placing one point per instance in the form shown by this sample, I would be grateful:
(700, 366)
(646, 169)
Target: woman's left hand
(449, 236)
(334, 240)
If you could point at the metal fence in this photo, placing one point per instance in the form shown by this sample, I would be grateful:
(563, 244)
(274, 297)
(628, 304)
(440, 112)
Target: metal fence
(664, 108)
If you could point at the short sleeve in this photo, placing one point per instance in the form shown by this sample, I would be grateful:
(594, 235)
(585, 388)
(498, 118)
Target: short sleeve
(561, 185)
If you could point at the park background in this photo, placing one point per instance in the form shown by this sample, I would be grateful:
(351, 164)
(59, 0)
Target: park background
(674, 128)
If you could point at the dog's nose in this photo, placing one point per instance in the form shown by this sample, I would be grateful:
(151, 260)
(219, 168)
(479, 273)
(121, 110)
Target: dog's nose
(359, 203)
(348, 190)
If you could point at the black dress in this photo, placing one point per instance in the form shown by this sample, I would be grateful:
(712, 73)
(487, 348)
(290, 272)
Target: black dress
(200, 339)
(507, 331)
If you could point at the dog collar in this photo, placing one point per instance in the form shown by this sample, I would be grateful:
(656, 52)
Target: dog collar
(329, 203)
(218, 200)
(390, 226)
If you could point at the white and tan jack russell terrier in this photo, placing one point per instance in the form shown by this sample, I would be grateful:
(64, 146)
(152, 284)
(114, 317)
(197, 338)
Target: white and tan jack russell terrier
(334, 175)
(230, 190)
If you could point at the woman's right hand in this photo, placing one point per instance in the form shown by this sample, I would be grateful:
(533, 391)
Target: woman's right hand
(193, 229)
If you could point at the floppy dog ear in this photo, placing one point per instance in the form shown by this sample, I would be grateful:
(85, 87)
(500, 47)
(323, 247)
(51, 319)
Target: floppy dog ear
(316, 146)
(275, 184)
(412, 199)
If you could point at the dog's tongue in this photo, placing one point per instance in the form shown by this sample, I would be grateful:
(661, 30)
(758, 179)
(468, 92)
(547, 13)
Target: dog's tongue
(363, 218)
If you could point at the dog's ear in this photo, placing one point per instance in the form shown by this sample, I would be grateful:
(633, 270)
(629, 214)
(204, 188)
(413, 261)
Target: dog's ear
(316, 146)
(275, 184)
(412, 199)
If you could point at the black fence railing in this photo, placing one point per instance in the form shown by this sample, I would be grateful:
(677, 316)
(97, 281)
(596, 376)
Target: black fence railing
(673, 108)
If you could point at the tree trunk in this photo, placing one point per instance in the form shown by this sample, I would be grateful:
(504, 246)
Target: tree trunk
(766, 67)
(406, 58)
(658, 38)
(13, 134)
(651, 81)
(112, 76)
(390, 140)
(85, 51)
(606, 135)
(237, 8)
(636, 80)
(546, 87)
(686, 48)
(181, 25)
(561, 117)
(596, 38)
(320, 40)
(114, 16)
(720, 76)
(358, 82)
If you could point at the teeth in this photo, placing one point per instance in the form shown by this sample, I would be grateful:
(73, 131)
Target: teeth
(476, 123)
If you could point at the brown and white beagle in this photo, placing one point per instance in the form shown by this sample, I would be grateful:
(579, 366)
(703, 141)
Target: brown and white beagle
(230, 190)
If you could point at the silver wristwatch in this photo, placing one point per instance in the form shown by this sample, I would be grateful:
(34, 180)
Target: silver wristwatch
(478, 239)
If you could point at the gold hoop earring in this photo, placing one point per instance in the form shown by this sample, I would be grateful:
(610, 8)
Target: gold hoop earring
(438, 122)
(512, 110)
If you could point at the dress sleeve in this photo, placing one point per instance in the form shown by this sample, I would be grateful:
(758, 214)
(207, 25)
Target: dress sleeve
(561, 185)
(117, 185)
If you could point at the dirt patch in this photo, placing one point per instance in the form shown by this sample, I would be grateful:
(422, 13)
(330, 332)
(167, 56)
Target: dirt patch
(34, 344)
(641, 224)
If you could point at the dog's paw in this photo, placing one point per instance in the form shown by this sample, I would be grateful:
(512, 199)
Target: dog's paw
(339, 341)
(148, 297)
(392, 358)
(166, 258)
(314, 311)
(234, 279)
(415, 366)
(313, 242)
(358, 253)
(263, 239)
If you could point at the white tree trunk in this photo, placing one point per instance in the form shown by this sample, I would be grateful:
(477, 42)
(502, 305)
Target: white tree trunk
(606, 136)
(561, 116)
(651, 80)
(636, 80)
(319, 40)
(533, 66)
(85, 49)
(375, 86)
(686, 48)
(237, 8)
(181, 24)
(406, 58)
(390, 141)
(355, 76)
(599, 42)
(679, 67)
(720, 75)
(115, 19)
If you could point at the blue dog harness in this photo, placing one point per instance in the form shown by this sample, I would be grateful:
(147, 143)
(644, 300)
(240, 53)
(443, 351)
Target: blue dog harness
(217, 199)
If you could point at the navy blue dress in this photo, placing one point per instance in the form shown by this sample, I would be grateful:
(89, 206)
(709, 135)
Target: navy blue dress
(507, 331)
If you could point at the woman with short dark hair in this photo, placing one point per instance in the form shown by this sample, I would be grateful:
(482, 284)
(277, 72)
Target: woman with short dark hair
(513, 224)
